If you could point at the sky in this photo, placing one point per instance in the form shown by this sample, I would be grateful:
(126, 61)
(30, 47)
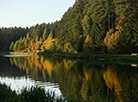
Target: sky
(26, 13)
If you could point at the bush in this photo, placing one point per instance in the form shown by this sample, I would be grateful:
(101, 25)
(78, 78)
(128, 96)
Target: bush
(34, 94)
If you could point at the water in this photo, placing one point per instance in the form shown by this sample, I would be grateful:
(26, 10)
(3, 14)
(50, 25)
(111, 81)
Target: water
(17, 78)
(90, 81)
(16, 55)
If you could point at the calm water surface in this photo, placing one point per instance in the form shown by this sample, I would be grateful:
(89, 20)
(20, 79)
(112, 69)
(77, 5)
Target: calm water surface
(74, 80)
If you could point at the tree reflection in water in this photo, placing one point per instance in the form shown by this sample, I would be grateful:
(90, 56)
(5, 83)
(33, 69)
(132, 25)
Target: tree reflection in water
(80, 81)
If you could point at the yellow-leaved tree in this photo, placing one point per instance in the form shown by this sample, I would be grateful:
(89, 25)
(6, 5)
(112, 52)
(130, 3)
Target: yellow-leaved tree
(111, 41)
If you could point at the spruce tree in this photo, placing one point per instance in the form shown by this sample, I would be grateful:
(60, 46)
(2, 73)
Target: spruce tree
(39, 31)
(127, 12)
(77, 31)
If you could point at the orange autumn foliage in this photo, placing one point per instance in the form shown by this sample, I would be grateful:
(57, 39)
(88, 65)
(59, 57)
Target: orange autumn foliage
(87, 73)
(112, 81)
(88, 42)
(47, 44)
(111, 40)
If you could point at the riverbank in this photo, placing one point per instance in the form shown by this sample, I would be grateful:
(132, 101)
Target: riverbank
(23, 53)
(102, 58)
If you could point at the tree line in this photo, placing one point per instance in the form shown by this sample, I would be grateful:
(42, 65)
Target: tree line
(12, 34)
(88, 26)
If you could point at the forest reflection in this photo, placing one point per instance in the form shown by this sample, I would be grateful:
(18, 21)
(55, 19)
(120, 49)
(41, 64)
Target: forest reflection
(83, 81)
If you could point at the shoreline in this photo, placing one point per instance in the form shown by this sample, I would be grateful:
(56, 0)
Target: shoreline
(102, 58)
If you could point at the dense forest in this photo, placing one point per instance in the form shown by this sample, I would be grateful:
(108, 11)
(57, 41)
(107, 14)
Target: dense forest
(103, 26)
(7, 35)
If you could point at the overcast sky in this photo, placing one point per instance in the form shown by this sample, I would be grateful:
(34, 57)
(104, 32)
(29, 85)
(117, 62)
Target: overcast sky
(30, 12)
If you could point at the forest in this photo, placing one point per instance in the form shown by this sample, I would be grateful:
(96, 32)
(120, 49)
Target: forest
(98, 26)
(12, 34)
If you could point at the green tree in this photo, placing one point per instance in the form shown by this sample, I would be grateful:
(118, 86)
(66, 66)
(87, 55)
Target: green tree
(15, 48)
(77, 31)
(36, 39)
(127, 12)
(98, 33)
(39, 31)
(44, 34)
(21, 46)
(86, 24)
(11, 46)
(50, 37)
(27, 36)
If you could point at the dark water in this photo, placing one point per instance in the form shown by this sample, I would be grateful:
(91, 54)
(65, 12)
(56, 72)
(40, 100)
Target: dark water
(76, 81)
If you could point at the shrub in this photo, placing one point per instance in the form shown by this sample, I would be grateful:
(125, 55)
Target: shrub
(34, 94)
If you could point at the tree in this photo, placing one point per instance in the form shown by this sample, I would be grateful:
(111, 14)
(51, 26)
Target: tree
(110, 11)
(44, 34)
(86, 24)
(36, 39)
(77, 30)
(127, 12)
(15, 48)
(11, 46)
(8, 35)
(39, 31)
(88, 43)
(27, 36)
(98, 33)
(21, 46)
(50, 37)
(111, 40)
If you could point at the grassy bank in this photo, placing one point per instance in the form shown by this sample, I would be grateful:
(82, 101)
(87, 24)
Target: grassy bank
(105, 58)
(34, 94)
(112, 58)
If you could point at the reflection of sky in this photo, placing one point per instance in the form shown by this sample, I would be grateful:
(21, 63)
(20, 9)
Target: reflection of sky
(16, 55)
(18, 83)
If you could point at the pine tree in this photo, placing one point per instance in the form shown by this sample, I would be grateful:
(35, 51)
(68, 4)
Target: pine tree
(86, 24)
(77, 28)
(98, 10)
(110, 11)
(77, 31)
(98, 33)
(103, 11)
(127, 12)
(39, 31)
